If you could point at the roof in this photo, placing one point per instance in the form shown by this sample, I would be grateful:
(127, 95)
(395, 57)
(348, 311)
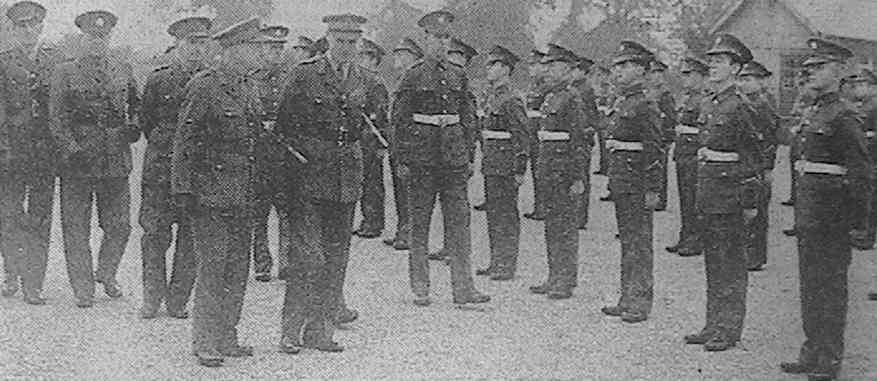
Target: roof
(839, 18)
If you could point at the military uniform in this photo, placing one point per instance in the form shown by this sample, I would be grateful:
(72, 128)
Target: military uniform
(589, 105)
(834, 187)
(864, 233)
(533, 100)
(634, 141)
(505, 144)
(668, 121)
(91, 103)
(27, 161)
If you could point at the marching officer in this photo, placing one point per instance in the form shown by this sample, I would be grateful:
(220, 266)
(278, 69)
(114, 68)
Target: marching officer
(405, 55)
(505, 144)
(322, 114)
(582, 83)
(659, 94)
(534, 98)
(163, 97)
(92, 103)
(435, 123)
(375, 145)
(212, 179)
(728, 190)
(28, 159)
(271, 185)
(563, 153)
(750, 81)
(834, 187)
(634, 140)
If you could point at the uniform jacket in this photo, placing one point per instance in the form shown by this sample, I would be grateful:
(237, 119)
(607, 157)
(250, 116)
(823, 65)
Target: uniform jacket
(163, 97)
(376, 109)
(728, 126)
(322, 115)
(434, 87)
(271, 156)
(505, 112)
(25, 140)
(635, 118)
(767, 121)
(213, 156)
(589, 103)
(533, 100)
(667, 108)
(91, 103)
(688, 108)
(868, 111)
(563, 111)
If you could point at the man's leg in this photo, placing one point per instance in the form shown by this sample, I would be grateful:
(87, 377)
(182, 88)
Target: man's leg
(686, 179)
(156, 223)
(237, 269)
(733, 277)
(636, 254)
(41, 192)
(210, 235)
(179, 290)
(400, 199)
(76, 199)
(258, 241)
(422, 190)
(561, 237)
(113, 208)
(373, 194)
(457, 219)
(12, 239)
(584, 202)
(503, 224)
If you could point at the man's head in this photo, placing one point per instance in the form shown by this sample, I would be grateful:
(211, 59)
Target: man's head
(535, 68)
(406, 54)
(437, 29)
(861, 85)
(751, 78)
(582, 68)
(370, 54)
(460, 53)
(344, 33)
(27, 23)
(559, 62)
(657, 72)
(301, 49)
(726, 57)
(192, 35)
(275, 43)
(242, 46)
(500, 64)
(96, 27)
(826, 65)
(693, 73)
(630, 63)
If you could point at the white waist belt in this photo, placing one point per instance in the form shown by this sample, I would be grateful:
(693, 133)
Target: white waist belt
(687, 130)
(620, 145)
(804, 166)
(710, 155)
(496, 135)
(552, 136)
(440, 120)
(534, 114)
(870, 134)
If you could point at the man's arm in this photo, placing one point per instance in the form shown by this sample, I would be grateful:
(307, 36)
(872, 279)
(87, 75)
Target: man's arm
(59, 115)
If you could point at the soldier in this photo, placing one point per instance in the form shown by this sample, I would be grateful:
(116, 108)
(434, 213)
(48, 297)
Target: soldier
(634, 141)
(658, 92)
(162, 100)
(374, 144)
(563, 144)
(435, 123)
(688, 109)
(583, 84)
(27, 162)
(728, 185)
(212, 179)
(326, 88)
(539, 80)
(506, 136)
(405, 55)
(834, 187)
(861, 86)
(92, 103)
(750, 81)
(271, 185)
(300, 50)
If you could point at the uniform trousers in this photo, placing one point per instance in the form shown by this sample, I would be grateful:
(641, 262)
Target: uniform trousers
(686, 181)
(373, 193)
(635, 231)
(503, 223)
(25, 223)
(400, 198)
(584, 202)
(561, 231)
(726, 274)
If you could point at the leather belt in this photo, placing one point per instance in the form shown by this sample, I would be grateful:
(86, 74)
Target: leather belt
(496, 135)
(621, 145)
(687, 130)
(440, 120)
(707, 154)
(535, 114)
(552, 136)
(804, 166)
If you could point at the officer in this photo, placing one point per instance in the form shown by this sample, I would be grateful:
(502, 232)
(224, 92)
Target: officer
(435, 124)
(271, 185)
(688, 109)
(582, 82)
(634, 140)
(212, 179)
(405, 55)
(860, 89)
(162, 99)
(92, 104)
(563, 144)
(834, 187)
(374, 150)
(751, 81)
(505, 144)
(660, 94)
(728, 187)
(535, 96)
(322, 114)
(28, 160)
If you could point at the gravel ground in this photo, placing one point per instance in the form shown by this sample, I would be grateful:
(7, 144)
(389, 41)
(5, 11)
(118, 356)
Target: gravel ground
(518, 336)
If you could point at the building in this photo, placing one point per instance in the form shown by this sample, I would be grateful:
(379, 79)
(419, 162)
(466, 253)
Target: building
(777, 32)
